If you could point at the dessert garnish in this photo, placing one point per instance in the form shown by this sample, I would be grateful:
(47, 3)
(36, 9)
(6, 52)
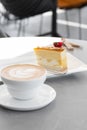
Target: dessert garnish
(65, 43)
(58, 44)
(69, 44)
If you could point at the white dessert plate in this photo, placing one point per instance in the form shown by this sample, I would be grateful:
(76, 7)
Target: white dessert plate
(46, 95)
(74, 64)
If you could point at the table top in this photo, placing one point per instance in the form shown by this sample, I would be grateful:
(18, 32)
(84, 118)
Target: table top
(69, 109)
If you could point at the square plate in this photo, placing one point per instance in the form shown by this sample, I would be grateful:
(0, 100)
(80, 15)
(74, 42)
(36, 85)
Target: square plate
(74, 64)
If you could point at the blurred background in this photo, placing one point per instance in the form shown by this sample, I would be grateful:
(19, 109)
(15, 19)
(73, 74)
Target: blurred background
(70, 23)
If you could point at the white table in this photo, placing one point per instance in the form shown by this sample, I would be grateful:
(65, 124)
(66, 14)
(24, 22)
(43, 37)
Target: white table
(11, 47)
(67, 112)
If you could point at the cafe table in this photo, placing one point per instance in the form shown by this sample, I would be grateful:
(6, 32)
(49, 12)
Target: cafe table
(68, 111)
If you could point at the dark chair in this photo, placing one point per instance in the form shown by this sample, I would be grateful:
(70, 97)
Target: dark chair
(27, 8)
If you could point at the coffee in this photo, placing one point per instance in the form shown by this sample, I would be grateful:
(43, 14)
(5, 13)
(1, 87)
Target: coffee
(22, 72)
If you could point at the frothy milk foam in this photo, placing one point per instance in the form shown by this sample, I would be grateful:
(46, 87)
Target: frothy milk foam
(22, 72)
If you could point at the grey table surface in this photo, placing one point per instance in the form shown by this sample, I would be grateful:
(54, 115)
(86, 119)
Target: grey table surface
(67, 112)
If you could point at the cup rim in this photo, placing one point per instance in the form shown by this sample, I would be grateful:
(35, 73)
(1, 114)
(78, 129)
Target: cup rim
(14, 80)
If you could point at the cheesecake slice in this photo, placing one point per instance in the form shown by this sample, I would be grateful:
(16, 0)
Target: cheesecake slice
(52, 58)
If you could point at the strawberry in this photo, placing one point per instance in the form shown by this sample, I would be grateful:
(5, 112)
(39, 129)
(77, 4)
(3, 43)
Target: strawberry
(58, 44)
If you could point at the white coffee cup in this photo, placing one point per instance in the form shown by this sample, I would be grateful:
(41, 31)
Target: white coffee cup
(23, 81)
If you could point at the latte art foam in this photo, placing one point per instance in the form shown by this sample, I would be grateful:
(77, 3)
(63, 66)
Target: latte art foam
(22, 72)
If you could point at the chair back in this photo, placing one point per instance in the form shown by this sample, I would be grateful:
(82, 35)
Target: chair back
(26, 8)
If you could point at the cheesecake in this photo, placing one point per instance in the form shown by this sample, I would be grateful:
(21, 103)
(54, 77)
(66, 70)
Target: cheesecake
(51, 57)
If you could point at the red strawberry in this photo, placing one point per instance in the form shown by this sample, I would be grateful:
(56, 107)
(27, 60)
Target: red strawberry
(58, 44)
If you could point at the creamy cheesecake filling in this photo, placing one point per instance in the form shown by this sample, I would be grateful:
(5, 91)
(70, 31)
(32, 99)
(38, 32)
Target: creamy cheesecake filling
(52, 58)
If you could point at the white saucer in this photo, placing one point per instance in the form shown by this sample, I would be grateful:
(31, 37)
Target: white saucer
(46, 95)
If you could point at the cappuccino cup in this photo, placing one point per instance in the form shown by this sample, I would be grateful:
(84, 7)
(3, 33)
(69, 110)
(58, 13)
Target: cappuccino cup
(23, 81)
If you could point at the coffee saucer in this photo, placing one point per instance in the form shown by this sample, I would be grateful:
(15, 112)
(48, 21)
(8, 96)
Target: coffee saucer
(46, 95)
